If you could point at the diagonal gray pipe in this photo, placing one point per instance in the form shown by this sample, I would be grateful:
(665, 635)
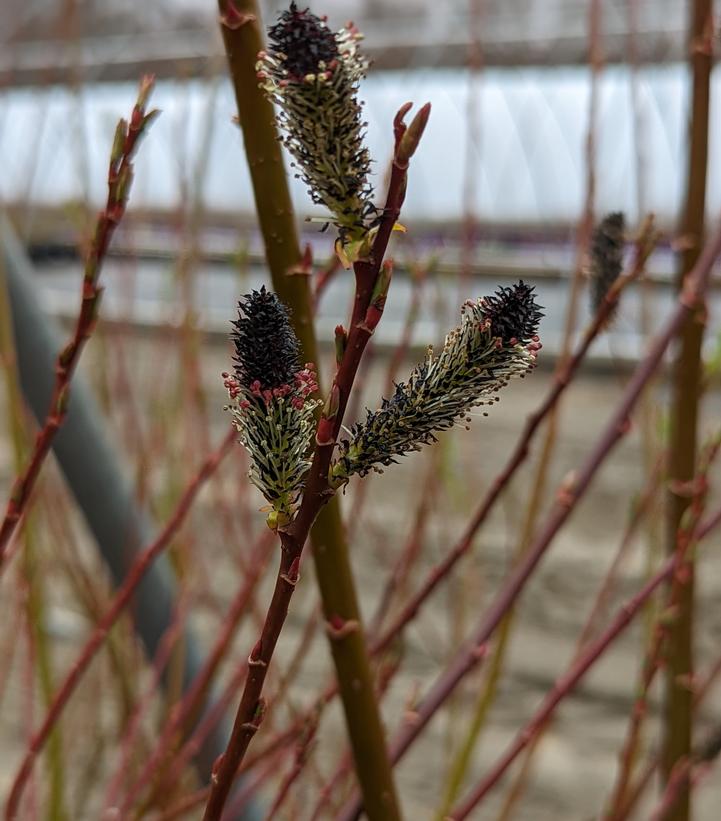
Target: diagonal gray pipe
(90, 467)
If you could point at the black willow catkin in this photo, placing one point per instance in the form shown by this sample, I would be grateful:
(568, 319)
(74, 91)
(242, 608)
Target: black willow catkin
(271, 401)
(496, 340)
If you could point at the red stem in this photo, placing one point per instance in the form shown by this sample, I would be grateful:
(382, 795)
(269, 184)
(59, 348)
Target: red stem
(641, 510)
(561, 381)
(134, 724)
(120, 176)
(635, 792)
(120, 601)
(183, 712)
(469, 655)
(301, 756)
(317, 490)
(654, 655)
(563, 686)
(323, 280)
(418, 276)
(671, 571)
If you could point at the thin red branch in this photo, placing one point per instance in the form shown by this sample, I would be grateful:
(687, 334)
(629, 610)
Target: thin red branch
(640, 511)
(711, 522)
(122, 598)
(192, 700)
(302, 753)
(654, 656)
(418, 276)
(674, 571)
(569, 495)
(367, 311)
(688, 773)
(331, 788)
(589, 629)
(634, 793)
(562, 688)
(405, 563)
(560, 382)
(134, 725)
(120, 178)
(323, 279)
(217, 712)
(185, 805)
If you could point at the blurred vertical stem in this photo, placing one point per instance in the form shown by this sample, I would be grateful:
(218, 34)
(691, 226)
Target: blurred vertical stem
(685, 406)
(241, 27)
(36, 616)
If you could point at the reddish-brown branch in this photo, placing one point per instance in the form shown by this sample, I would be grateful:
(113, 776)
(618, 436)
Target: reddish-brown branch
(640, 511)
(561, 381)
(699, 692)
(711, 522)
(200, 733)
(300, 758)
(406, 141)
(187, 708)
(185, 805)
(120, 178)
(654, 655)
(162, 658)
(323, 280)
(122, 598)
(317, 492)
(569, 496)
(588, 631)
(331, 788)
(418, 277)
(562, 688)
(367, 310)
(407, 557)
(242, 34)
(672, 571)
(688, 773)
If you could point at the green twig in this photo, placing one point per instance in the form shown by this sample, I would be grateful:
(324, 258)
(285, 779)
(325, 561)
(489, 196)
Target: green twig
(685, 407)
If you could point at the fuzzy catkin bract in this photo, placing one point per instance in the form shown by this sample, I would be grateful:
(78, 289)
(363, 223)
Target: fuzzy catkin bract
(312, 75)
(495, 341)
(271, 401)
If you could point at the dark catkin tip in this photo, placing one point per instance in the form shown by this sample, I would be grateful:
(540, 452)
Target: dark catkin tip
(606, 257)
(266, 347)
(495, 341)
(304, 40)
(312, 75)
(513, 313)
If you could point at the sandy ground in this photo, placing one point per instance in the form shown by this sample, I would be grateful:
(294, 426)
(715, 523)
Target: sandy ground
(575, 766)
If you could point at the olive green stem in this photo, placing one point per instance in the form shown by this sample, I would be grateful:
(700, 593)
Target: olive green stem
(243, 37)
(686, 381)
